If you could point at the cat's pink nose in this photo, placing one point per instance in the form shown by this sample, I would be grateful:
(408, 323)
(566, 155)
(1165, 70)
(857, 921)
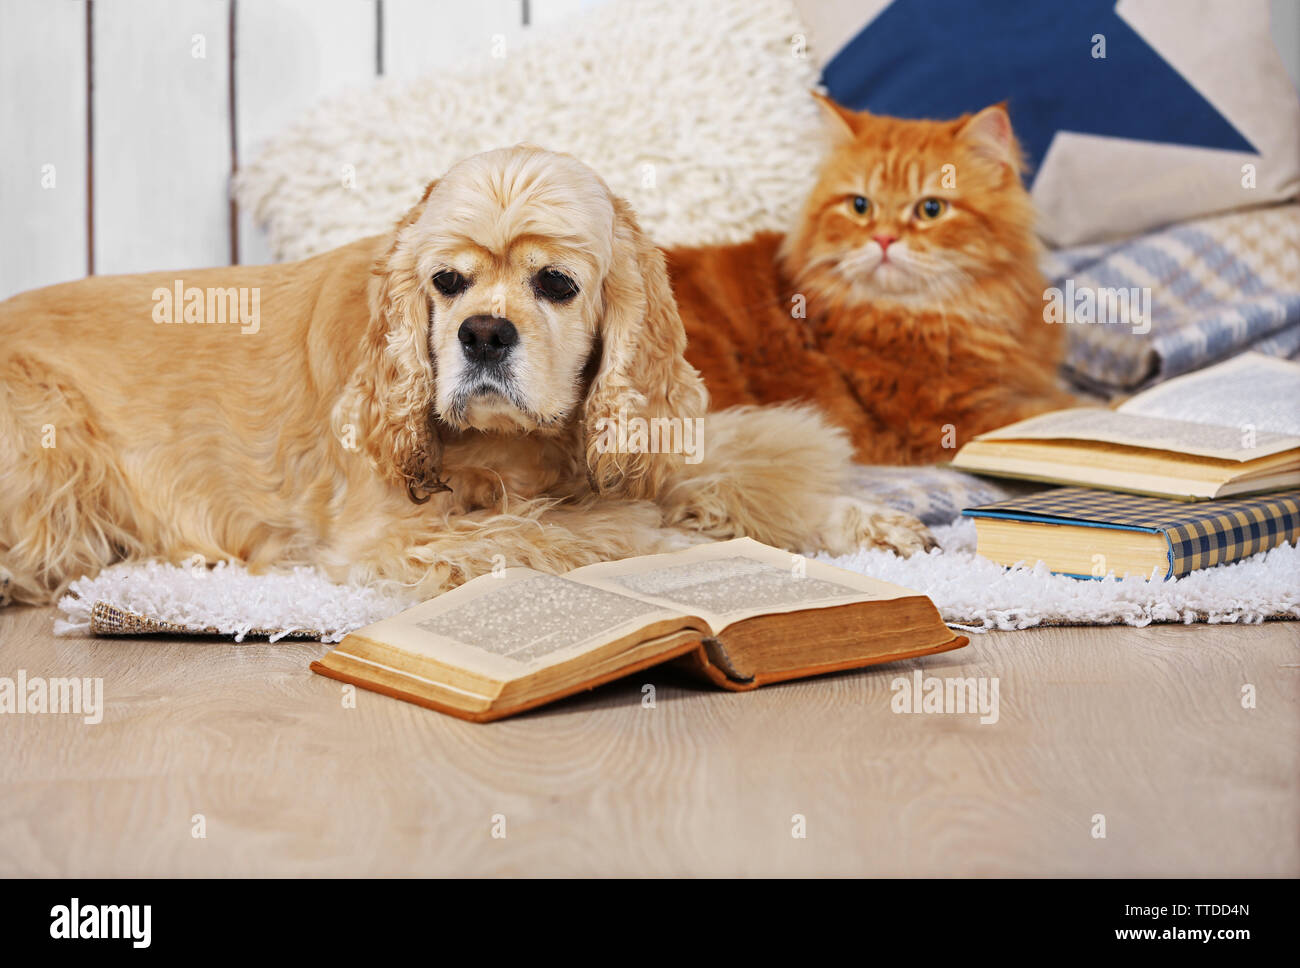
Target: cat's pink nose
(885, 240)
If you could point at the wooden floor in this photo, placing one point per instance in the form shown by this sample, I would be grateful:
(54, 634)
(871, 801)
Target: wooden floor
(1145, 727)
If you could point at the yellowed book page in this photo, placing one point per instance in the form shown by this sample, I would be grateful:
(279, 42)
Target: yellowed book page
(1073, 549)
(728, 581)
(512, 624)
(1155, 433)
(1084, 475)
(1251, 392)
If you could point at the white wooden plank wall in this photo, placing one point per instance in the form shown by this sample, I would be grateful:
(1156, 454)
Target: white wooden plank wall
(120, 124)
(288, 55)
(418, 34)
(161, 150)
(43, 163)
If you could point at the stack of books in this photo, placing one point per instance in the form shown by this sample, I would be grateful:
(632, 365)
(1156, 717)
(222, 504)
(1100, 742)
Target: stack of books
(1201, 470)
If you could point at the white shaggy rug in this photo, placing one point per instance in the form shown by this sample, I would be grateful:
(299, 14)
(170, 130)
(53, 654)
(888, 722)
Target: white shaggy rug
(971, 593)
(977, 594)
(227, 600)
(724, 144)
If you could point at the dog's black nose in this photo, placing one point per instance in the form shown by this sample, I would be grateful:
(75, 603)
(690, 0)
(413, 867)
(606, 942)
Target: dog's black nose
(487, 339)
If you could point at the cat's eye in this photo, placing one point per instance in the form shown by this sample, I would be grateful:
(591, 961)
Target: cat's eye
(449, 282)
(860, 204)
(554, 285)
(929, 209)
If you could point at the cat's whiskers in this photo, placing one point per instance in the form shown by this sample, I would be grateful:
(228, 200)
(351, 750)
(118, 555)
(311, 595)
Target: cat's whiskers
(929, 277)
(817, 263)
(934, 270)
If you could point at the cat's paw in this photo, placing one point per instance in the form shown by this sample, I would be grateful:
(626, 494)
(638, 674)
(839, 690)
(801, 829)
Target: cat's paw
(853, 524)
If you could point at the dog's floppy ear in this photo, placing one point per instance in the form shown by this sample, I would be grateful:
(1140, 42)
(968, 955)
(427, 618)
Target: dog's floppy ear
(389, 399)
(643, 371)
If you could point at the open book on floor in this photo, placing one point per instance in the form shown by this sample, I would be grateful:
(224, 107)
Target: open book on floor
(1229, 430)
(739, 613)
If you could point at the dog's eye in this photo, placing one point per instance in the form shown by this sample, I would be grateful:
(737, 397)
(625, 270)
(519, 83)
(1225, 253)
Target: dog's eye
(554, 285)
(449, 282)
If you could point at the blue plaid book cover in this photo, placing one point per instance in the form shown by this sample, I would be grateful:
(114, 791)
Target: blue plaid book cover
(1199, 535)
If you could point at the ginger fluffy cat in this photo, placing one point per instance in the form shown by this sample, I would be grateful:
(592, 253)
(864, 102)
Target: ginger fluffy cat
(915, 266)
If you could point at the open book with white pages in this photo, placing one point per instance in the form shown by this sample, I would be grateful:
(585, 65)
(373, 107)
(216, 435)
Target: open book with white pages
(1228, 430)
(738, 613)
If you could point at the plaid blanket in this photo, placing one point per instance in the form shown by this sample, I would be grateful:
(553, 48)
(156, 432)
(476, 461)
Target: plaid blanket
(1217, 287)
(936, 495)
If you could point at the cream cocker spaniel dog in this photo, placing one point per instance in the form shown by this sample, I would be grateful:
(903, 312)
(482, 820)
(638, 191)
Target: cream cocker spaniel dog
(414, 407)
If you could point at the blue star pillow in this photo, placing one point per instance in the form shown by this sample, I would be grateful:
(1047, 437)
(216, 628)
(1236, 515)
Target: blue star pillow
(1133, 114)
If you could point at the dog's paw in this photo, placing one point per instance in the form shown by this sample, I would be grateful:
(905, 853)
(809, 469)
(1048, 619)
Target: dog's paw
(853, 524)
(6, 586)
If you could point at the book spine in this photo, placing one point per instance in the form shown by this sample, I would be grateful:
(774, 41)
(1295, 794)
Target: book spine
(1232, 537)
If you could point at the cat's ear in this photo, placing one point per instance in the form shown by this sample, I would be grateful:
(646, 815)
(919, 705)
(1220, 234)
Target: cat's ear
(839, 120)
(989, 133)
